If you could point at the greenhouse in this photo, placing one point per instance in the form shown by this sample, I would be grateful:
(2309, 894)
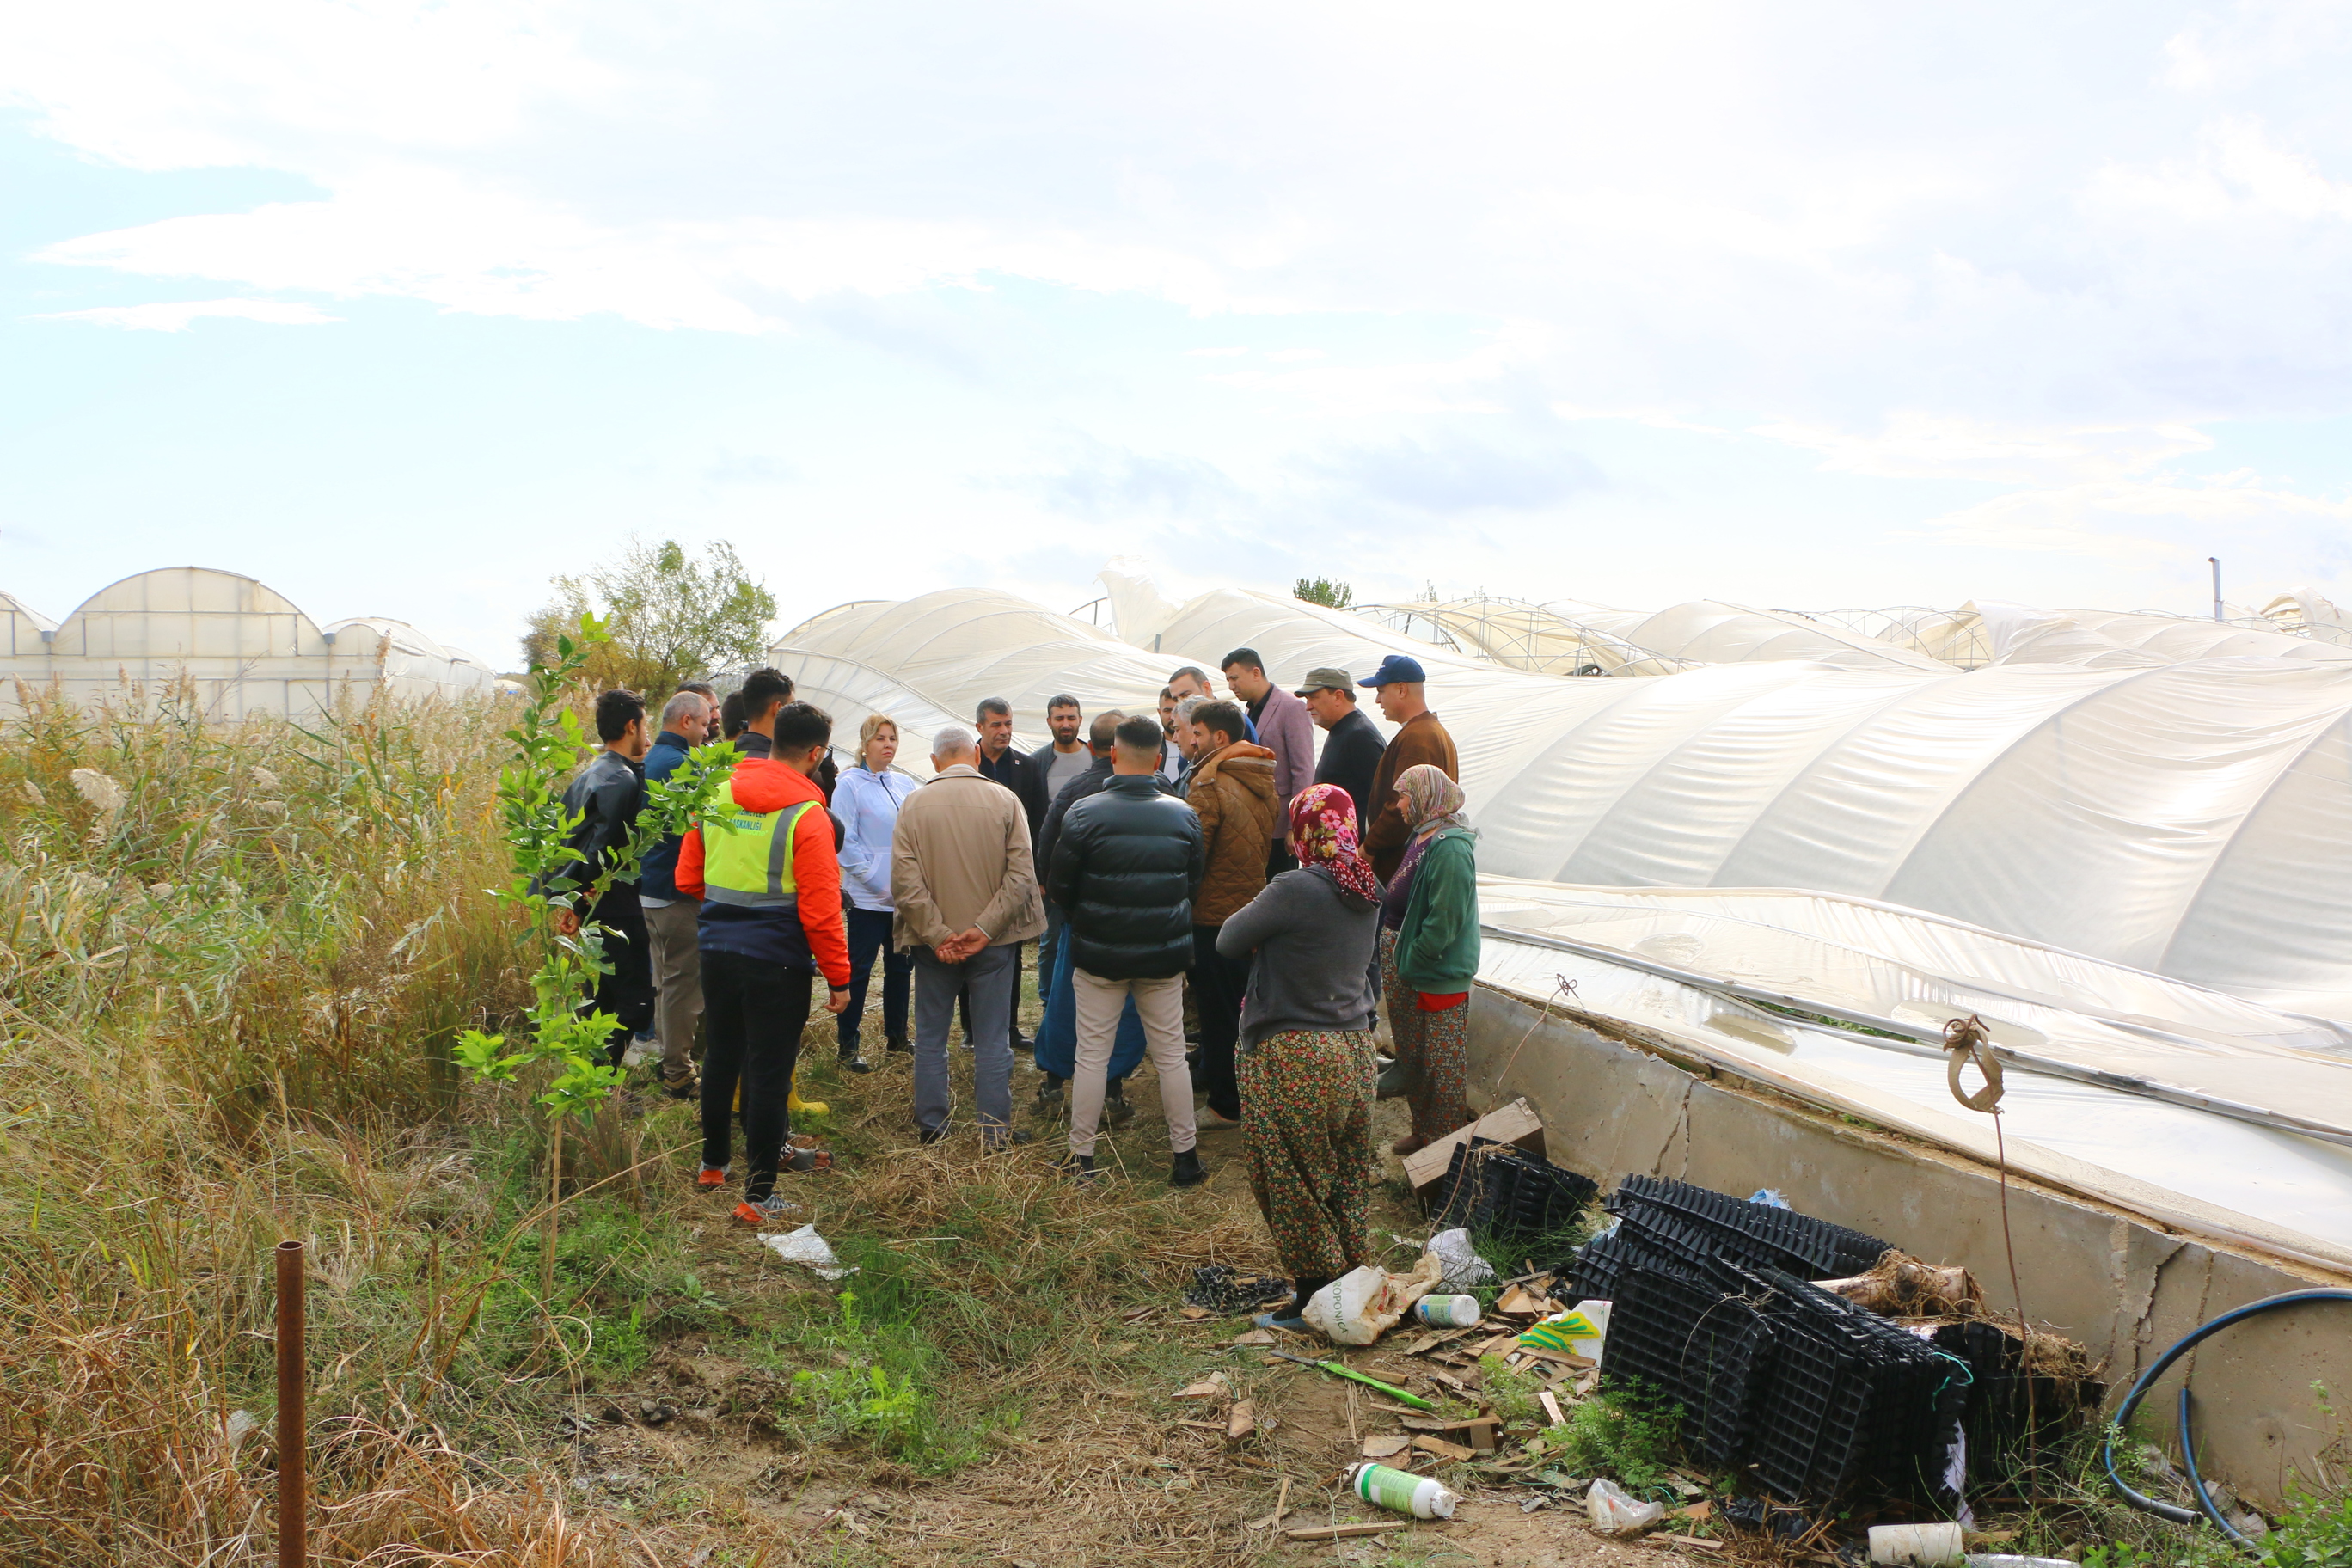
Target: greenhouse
(229, 645)
(2124, 841)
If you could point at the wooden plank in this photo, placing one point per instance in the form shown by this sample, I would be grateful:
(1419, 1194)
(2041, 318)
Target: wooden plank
(1550, 1404)
(1440, 1448)
(1514, 1123)
(1383, 1445)
(1242, 1422)
(1345, 1531)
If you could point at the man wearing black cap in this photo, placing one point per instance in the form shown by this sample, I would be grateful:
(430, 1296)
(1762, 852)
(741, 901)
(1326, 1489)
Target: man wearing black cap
(1351, 742)
(1397, 686)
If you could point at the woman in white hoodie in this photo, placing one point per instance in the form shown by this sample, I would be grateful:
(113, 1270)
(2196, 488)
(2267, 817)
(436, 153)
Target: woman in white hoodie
(866, 800)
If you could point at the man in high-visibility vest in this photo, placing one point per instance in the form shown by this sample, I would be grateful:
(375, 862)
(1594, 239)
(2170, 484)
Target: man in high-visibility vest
(770, 891)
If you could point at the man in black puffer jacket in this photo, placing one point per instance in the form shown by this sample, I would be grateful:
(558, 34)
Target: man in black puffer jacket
(608, 793)
(1127, 863)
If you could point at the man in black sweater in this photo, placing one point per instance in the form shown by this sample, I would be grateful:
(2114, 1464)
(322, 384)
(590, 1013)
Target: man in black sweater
(1351, 744)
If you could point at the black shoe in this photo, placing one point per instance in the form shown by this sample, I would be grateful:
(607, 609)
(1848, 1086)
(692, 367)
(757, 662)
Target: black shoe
(1001, 1138)
(685, 1089)
(1188, 1170)
(898, 1043)
(1116, 1111)
(853, 1062)
(933, 1134)
(1079, 1168)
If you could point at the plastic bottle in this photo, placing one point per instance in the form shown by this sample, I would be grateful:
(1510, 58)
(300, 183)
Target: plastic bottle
(1447, 1311)
(1402, 1491)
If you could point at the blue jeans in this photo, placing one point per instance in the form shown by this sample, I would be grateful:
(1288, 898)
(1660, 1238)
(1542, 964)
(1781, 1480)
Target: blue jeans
(870, 931)
(987, 979)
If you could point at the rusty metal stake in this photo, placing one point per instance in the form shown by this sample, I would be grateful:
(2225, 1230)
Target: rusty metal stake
(293, 1547)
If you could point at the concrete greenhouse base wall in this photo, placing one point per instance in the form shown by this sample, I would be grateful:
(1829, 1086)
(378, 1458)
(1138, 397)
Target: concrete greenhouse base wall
(2124, 1287)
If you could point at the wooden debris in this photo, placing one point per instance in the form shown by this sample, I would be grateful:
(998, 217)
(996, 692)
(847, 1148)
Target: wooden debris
(1700, 1512)
(1550, 1403)
(1137, 1314)
(1240, 1421)
(1514, 1123)
(1568, 1358)
(1345, 1531)
(1213, 1386)
(1257, 1337)
(1441, 1448)
(1485, 1434)
(1381, 1445)
(1203, 1425)
(1689, 1542)
(1519, 1302)
(1197, 1313)
(1281, 1507)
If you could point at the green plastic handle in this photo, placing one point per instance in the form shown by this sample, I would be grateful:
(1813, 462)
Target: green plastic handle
(1352, 1376)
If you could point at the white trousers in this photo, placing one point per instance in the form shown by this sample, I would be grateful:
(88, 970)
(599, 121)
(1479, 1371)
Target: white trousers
(1160, 1004)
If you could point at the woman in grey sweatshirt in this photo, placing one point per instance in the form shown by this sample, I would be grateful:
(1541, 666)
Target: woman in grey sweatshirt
(1305, 1059)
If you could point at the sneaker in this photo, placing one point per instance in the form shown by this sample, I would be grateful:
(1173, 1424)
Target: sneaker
(932, 1135)
(1116, 1111)
(775, 1208)
(898, 1043)
(682, 1088)
(1188, 1170)
(1079, 1168)
(999, 1139)
(643, 1049)
(712, 1177)
(1288, 1323)
(1209, 1118)
(851, 1061)
(1048, 1099)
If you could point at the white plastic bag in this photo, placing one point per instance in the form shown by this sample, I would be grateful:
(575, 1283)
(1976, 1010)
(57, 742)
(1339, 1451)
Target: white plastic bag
(1464, 1267)
(1616, 1512)
(1362, 1305)
(804, 1246)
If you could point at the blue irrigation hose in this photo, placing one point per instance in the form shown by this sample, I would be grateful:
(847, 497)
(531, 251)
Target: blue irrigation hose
(2205, 1509)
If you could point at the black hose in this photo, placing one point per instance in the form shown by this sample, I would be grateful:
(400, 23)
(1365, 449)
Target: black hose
(2146, 1380)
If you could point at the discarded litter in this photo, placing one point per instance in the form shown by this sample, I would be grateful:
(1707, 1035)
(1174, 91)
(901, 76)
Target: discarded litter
(806, 1247)
(1616, 1512)
(1401, 1491)
(1447, 1311)
(1364, 1303)
(1581, 1331)
(1464, 1267)
(1216, 1288)
(1915, 1545)
(1493, 1187)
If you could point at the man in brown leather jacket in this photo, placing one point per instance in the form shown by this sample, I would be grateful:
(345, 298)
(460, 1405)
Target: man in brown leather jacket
(1397, 687)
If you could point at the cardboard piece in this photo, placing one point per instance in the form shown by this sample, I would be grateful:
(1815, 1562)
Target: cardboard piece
(1515, 1124)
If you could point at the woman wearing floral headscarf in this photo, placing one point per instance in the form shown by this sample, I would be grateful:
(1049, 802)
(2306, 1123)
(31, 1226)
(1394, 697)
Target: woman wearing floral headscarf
(1429, 954)
(1305, 1056)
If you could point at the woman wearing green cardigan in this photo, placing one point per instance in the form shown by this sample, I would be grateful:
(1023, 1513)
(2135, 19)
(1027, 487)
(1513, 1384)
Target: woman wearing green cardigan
(1428, 916)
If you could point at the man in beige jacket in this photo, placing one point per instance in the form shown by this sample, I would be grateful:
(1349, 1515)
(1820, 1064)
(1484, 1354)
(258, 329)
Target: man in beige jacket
(966, 898)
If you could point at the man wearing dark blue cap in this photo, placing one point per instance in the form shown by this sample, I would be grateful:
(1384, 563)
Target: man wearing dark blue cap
(1397, 686)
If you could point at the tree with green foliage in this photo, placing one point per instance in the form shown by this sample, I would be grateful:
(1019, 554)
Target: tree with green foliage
(668, 617)
(564, 1035)
(1325, 591)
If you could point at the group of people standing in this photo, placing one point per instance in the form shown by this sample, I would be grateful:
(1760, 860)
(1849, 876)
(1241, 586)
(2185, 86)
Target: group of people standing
(1206, 854)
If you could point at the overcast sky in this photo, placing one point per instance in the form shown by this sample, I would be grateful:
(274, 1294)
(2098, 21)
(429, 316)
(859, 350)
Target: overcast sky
(403, 308)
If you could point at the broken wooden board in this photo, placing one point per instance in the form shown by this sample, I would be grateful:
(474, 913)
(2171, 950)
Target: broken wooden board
(1550, 1403)
(1514, 1123)
(1213, 1386)
(1346, 1532)
(1281, 1507)
(1256, 1337)
(1519, 1301)
(1383, 1445)
(1440, 1448)
(1240, 1421)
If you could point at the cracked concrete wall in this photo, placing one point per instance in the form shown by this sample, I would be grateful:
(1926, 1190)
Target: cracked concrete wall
(2126, 1287)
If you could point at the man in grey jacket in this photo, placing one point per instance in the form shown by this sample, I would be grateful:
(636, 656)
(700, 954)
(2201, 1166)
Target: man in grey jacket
(966, 898)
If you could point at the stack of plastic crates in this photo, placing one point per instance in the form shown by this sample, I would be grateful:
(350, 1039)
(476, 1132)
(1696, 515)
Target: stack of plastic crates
(1701, 1340)
(1851, 1397)
(1494, 1188)
(1755, 1234)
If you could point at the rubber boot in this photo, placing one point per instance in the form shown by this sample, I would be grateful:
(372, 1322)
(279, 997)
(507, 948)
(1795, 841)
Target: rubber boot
(794, 1105)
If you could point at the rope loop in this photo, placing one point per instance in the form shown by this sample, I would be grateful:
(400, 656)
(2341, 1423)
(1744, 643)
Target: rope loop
(1964, 1041)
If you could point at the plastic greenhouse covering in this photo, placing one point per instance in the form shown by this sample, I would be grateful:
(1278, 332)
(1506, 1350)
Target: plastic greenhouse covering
(2141, 869)
(234, 644)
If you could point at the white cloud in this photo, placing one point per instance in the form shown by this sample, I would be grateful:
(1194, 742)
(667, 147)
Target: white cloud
(175, 316)
(1914, 445)
(2143, 522)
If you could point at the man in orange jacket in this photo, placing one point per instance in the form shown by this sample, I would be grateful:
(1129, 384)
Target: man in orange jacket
(770, 891)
